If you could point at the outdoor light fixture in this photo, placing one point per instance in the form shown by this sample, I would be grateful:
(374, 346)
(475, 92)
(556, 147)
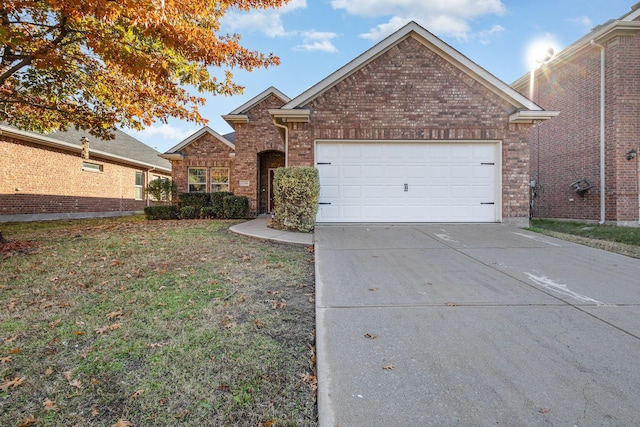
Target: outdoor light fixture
(632, 154)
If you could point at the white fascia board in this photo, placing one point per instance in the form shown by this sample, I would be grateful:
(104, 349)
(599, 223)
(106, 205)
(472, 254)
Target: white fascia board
(290, 116)
(197, 135)
(51, 142)
(528, 116)
(474, 70)
(258, 99)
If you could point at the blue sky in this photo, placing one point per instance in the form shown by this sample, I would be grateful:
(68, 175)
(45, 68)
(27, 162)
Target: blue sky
(313, 38)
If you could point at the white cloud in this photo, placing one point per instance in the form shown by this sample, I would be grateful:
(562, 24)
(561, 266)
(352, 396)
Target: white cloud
(485, 35)
(442, 17)
(267, 21)
(164, 135)
(317, 41)
(584, 21)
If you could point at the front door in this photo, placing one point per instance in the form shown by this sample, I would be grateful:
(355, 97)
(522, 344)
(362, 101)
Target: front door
(269, 161)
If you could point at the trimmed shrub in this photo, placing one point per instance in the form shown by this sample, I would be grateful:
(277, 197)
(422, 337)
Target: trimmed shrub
(217, 200)
(161, 212)
(207, 212)
(235, 206)
(188, 212)
(296, 193)
(197, 200)
(162, 190)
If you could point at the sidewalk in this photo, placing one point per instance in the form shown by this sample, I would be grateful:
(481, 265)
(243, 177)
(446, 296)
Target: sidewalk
(259, 229)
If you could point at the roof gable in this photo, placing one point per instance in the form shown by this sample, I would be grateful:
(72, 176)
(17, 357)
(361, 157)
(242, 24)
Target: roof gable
(259, 98)
(175, 150)
(430, 41)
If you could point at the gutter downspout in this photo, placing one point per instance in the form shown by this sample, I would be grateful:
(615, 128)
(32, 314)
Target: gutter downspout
(286, 141)
(602, 142)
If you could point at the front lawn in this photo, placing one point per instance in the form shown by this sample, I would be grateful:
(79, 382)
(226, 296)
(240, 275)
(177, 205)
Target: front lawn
(164, 323)
(623, 240)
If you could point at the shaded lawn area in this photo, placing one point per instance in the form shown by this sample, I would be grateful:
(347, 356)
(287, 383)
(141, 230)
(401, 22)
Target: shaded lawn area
(622, 240)
(163, 323)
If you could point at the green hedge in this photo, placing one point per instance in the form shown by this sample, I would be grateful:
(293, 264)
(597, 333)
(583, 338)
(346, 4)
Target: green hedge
(217, 202)
(161, 212)
(235, 206)
(197, 200)
(296, 193)
(188, 212)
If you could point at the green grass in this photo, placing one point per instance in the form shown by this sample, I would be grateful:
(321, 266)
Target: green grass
(164, 323)
(626, 235)
(622, 240)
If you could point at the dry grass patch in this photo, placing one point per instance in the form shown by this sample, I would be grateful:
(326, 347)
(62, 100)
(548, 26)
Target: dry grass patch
(162, 323)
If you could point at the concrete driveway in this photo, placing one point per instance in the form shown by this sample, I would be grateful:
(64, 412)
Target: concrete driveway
(473, 325)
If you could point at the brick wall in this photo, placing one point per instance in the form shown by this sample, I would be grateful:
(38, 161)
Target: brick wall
(258, 136)
(207, 152)
(567, 148)
(41, 180)
(410, 93)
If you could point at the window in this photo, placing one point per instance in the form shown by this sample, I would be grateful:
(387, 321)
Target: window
(139, 186)
(219, 179)
(197, 180)
(91, 167)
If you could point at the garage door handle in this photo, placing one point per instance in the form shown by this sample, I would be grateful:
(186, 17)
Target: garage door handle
(487, 203)
(488, 163)
(323, 163)
(324, 203)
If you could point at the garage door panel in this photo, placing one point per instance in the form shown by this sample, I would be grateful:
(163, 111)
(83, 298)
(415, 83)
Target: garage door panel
(445, 182)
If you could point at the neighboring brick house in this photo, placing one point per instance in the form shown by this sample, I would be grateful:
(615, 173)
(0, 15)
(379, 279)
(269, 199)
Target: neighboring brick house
(566, 152)
(409, 131)
(54, 176)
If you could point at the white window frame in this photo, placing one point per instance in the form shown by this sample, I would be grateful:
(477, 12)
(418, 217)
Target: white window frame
(92, 167)
(217, 186)
(139, 188)
(189, 183)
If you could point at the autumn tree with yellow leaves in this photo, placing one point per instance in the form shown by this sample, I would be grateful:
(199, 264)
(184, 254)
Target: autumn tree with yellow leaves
(98, 64)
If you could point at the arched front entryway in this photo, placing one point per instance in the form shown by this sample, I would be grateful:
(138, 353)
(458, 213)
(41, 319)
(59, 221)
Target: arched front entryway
(269, 161)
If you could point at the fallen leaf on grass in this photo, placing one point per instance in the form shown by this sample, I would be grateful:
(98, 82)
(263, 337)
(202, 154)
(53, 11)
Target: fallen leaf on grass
(67, 375)
(104, 329)
(136, 394)
(4, 360)
(114, 314)
(94, 411)
(259, 324)
(78, 332)
(278, 304)
(55, 323)
(387, 367)
(122, 423)
(76, 383)
(29, 421)
(12, 383)
(14, 350)
(182, 414)
(48, 372)
(270, 423)
(50, 405)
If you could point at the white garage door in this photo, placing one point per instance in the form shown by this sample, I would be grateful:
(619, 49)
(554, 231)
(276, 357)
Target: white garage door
(408, 182)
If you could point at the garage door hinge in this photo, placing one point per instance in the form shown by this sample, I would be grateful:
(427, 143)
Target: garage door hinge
(487, 203)
(323, 163)
(488, 163)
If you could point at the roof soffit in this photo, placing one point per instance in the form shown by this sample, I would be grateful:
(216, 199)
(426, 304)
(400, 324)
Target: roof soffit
(205, 130)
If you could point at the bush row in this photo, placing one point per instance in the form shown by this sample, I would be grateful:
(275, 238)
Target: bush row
(221, 204)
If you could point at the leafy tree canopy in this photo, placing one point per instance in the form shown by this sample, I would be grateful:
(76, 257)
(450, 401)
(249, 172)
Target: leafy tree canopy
(95, 64)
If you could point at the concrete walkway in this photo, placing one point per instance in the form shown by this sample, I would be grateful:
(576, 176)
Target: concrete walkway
(259, 228)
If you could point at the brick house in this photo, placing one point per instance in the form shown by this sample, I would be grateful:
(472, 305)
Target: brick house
(409, 131)
(572, 179)
(58, 176)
